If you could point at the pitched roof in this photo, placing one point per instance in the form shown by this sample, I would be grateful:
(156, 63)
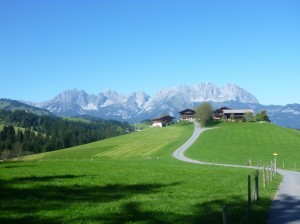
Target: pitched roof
(190, 111)
(242, 111)
(163, 118)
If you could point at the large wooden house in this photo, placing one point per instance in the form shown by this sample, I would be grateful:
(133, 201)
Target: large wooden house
(229, 114)
(236, 114)
(162, 121)
(187, 115)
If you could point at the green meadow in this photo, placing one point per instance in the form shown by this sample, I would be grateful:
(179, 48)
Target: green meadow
(237, 143)
(127, 179)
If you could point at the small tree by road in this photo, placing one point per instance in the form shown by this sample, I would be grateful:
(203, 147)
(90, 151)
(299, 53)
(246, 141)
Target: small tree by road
(204, 113)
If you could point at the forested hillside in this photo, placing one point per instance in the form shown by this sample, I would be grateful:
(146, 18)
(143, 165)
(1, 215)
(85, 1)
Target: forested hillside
(42, 133)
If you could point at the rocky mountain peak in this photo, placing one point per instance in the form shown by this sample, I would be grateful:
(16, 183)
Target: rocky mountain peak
(140, 98)
(111, 104)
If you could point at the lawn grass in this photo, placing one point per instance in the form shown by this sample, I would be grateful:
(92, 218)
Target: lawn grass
(100, 183)
(105, 191)
(236, 143)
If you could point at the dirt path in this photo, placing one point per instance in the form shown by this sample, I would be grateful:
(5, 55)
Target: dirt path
(286, 204)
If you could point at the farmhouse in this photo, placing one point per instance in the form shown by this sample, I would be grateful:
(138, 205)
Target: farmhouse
(229, 114)
(236, 114)
(187, 115)
(162, 121)
(219, 113)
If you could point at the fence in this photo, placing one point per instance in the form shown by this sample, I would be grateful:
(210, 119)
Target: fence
(268, 174)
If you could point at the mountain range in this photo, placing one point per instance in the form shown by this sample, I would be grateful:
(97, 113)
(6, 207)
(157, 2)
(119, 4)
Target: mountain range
(139, 105)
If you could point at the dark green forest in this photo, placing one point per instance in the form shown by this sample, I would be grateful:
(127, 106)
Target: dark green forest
(43, 133)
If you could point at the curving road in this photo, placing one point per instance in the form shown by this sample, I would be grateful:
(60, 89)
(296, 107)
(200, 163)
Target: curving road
(286, 204)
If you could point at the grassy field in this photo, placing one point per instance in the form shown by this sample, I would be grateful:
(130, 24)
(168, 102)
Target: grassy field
(148, 143)
(236, 143)
(127, 179)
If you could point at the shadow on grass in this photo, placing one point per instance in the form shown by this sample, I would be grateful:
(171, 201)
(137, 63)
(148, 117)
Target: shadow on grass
(27, 199)
(208, 212)
(23, 198)
(16, 166)
(44, 178)
(29, 219)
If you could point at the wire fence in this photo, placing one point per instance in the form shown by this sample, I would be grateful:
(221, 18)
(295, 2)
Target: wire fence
(268, 174)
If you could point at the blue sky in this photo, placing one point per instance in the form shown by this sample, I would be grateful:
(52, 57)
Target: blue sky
(127, 45)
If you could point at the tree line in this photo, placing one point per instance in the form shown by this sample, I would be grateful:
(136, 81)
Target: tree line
(43, 133)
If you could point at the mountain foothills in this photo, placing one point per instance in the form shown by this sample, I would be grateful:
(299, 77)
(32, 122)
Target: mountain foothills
(139, 106)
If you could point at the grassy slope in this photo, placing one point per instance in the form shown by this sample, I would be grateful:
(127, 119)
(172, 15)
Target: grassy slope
(13, 105)
(150, 142)
(100, 183)
(236, 143)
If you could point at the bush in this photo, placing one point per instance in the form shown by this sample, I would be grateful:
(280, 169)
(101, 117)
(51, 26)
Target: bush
(7, 155)
(184, 123)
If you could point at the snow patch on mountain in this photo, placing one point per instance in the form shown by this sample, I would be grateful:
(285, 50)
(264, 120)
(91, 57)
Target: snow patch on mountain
(90, 106)
(291, 111)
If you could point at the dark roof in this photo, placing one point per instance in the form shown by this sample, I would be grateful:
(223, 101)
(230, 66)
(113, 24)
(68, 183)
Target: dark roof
(221, 109)
(187, 111)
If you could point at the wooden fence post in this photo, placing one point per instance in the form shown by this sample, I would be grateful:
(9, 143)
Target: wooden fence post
(264, 176)
(268, 176)
(271, 174)
(225, 214)
(249, 199)
(256, 185)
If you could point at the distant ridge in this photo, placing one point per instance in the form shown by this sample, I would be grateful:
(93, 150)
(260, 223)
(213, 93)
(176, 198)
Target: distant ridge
(75, 102)
(138, 106)
(13, 105)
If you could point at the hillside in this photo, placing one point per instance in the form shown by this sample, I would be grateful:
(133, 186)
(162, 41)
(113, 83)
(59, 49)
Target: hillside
(45, 133)
(236, 143)
(126, 179)
(230, 143)
(14, 105)
(148, 143)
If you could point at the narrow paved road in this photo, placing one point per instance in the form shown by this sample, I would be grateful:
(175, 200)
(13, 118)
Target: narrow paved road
(286, 204)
